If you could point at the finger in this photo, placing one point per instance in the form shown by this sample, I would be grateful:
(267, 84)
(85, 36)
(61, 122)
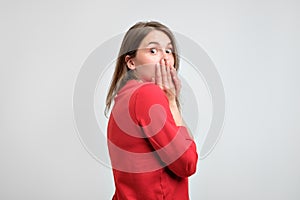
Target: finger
(167, 63)
(164, 75)
(158, 78)
(176, 80)
(169, 76)
(174, 75)
(171, 83)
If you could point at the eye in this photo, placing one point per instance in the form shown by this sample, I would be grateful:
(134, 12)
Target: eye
(168, 51)
(153, 50)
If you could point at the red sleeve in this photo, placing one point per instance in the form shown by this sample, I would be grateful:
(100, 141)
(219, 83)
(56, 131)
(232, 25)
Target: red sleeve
(172, 143)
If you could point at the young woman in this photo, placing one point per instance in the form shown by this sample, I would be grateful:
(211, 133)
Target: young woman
(151, 150)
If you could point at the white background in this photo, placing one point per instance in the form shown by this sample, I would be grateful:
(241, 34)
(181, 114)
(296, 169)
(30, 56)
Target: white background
(255, 46)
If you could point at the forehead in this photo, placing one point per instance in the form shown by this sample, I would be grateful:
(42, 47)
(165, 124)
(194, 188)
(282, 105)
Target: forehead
(156, 36)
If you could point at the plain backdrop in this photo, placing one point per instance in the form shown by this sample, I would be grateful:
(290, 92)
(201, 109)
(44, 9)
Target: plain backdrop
(255, 46)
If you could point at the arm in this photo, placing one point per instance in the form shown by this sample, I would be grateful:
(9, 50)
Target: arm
(167, 79)
(172, 142)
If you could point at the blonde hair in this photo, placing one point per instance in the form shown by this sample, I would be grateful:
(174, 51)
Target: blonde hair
(129, 46)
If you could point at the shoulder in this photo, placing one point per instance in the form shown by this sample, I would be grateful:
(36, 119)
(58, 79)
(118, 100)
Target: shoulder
(149, 90)
(150, 93)
(150, 102)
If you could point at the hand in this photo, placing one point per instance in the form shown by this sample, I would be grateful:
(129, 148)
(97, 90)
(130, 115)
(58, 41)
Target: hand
(166, 78)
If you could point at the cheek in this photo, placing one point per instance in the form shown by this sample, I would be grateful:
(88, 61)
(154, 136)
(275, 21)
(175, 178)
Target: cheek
(142, 59)
(149, 60)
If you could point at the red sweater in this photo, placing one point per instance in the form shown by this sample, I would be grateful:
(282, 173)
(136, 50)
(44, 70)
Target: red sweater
(151, 156)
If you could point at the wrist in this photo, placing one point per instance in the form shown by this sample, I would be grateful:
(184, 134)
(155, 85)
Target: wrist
(176, 113)
(173, 104)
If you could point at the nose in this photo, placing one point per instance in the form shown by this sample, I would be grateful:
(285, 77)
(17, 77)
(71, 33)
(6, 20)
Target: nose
(165, 56)
(165, 62)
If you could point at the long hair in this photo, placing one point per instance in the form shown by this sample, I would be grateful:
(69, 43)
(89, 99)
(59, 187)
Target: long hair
(129, 46)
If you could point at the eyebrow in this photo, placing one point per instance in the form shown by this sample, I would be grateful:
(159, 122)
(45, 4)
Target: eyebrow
(157, 43)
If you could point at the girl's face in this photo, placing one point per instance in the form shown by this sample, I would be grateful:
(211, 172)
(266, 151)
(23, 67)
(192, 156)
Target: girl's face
(155, 48)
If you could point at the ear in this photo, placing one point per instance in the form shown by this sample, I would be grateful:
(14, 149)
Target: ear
(130, 63)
